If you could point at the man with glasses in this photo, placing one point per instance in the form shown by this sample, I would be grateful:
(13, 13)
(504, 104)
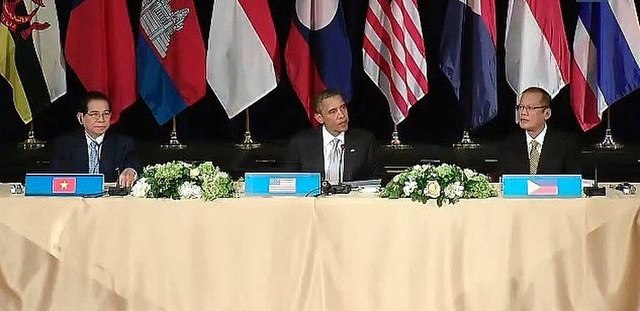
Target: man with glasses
(94, 150)
(540, 149)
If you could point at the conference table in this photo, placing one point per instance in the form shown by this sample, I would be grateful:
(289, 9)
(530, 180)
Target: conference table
(351, 252)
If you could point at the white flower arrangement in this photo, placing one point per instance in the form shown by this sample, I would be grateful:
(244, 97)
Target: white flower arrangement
(181, 180)
(446, 184)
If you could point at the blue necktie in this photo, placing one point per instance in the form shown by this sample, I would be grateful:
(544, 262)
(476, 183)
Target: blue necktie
(94, 164)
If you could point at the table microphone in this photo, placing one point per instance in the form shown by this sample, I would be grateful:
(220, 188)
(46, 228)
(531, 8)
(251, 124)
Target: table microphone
(118, 190)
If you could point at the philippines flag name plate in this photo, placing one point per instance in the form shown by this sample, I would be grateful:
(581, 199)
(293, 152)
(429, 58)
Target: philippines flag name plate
(542, 186)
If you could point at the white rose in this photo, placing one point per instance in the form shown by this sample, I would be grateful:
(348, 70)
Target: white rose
(432, 189)
(194, 173)
(469, 173)
(140, 188)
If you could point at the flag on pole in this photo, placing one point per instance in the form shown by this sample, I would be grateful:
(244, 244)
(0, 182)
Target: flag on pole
(537, 53)
(30, 55)
(468, 57)
(606, 58)
(394, 54)
(99, 48)
(318, 52)
(242, 57)
(170, 57)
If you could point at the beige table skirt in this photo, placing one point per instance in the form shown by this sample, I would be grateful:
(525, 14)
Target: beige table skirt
(337, 253)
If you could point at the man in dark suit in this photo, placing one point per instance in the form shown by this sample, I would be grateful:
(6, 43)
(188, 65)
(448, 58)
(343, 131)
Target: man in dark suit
(95, 150)
(540, 149)
(333, 149)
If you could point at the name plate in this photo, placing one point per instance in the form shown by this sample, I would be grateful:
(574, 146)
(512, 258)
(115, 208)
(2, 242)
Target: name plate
(542, 186)
(292, 184)
(64, 184)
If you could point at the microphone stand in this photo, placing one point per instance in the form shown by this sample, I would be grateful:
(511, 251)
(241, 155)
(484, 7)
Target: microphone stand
(595, 190)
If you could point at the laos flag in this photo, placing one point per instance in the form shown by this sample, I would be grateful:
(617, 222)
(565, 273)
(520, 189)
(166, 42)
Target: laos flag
(170, 57)
(318, 53)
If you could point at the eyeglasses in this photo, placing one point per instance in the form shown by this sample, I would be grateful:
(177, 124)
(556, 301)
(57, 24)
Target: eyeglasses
(527, 109)
(95, 115)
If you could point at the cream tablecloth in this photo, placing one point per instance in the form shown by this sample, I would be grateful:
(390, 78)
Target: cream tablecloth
(340, 253)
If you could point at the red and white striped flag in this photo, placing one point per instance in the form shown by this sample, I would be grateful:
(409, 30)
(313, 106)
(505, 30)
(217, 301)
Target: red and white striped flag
(394, 53)
(537, 53)
(242, 62)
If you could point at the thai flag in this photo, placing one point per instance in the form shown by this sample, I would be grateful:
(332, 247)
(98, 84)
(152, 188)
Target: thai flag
(318, 52)
(536, 48)
(468, 56)
(606, 58)
(170, 57)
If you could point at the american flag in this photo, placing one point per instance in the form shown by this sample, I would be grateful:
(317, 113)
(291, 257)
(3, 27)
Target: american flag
(394, 53)
(282, 185)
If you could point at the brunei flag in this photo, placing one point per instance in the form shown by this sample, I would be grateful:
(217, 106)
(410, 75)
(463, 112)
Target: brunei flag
(30, 54)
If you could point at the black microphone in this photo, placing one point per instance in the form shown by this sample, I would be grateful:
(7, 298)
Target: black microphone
(595, 190)
(118, 177)
(118, 190)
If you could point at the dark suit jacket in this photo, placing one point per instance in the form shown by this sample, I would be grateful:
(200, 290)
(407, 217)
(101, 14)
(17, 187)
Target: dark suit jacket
(560, 154)
(360, 154)
(71, 154)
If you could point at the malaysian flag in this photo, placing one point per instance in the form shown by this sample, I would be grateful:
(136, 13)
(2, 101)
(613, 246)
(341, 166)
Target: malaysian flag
(394, 53)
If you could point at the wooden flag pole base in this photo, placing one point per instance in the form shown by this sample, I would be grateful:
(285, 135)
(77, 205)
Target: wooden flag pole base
(174, 143)
(31, 143)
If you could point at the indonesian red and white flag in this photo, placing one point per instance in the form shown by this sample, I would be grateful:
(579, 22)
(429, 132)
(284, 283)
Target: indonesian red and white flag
(242, 58)
(537, 53)
(394, 53)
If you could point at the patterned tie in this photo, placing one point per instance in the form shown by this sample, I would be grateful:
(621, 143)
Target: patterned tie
(94, 164)
(333, 174)
(534, 157)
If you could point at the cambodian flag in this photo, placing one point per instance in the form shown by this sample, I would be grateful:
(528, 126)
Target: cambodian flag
(468, 57)
(318, 52)
(606, 58)
(170, 57)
